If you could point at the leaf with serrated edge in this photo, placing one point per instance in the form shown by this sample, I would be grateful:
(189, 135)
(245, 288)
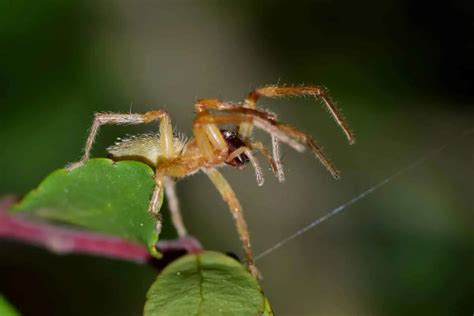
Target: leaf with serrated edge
(208, 283)
(102, 195)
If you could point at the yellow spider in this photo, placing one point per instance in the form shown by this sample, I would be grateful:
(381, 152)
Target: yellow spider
(174, 157)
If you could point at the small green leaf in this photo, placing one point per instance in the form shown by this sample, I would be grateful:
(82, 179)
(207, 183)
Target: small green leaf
(208, 283)
(101, 195)
(6, 309)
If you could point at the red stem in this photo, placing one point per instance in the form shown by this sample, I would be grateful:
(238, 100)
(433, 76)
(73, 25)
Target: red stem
(62, 240)
(66, 240)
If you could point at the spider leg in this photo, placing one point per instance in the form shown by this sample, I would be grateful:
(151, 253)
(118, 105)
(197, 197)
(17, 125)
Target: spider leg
(275, 91)
(229, 197)
(119, 119)
(155, 197)
(277, 157)
(173, 202)
(284, 133)
(275, 165)
(202, 105)
(167, 148)
(208, 137)
(253, 161)
(167, 154)
(166, 183)
(217, 104)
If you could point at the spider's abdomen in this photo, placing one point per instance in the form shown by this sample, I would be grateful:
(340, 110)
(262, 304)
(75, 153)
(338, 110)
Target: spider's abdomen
(144, 148)
(233, 143)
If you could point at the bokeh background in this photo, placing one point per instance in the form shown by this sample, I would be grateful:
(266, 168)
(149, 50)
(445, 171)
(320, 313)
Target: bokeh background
(400, 70)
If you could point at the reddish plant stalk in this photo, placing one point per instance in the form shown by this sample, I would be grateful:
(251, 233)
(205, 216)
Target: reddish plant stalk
(63, 240)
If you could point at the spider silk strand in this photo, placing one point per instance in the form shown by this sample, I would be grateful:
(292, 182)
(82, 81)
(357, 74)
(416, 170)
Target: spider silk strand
(357, 198)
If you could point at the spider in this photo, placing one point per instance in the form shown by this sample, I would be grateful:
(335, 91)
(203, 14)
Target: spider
(174, 156)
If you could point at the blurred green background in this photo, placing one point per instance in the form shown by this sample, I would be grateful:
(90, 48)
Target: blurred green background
(401, 71)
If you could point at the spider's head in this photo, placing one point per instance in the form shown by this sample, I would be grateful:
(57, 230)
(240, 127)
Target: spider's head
(234, 143)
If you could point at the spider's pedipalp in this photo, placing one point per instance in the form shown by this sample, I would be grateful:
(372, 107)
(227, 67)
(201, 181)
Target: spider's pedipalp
(276, 156)
(253, 160)
(256, 167)
(273, 164)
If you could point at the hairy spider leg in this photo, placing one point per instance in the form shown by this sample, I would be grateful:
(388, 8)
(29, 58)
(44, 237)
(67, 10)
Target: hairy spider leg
(259, 146)
(253, 161)
(115, 119)
(167, 149)
(173, 203)
(209, 135)
(229, 197)
(277, 157)
(284, 133)
(245, 132)
(156, 195)
(275, 91)
(209, 138)
(167, 154)
(201, 107)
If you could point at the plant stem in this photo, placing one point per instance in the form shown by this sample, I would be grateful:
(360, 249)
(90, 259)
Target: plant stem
(63, 240)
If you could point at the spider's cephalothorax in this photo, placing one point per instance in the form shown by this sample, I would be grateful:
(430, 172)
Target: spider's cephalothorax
(175, 157)
(233, 143)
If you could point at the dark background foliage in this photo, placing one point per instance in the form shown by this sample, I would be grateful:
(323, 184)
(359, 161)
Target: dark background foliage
(400, 70)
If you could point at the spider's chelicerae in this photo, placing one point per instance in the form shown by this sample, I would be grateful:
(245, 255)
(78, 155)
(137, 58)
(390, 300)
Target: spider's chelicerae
(174, 157)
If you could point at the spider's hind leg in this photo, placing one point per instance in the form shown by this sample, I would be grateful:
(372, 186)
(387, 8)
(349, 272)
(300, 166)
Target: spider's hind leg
(173, 204)
(116, 119)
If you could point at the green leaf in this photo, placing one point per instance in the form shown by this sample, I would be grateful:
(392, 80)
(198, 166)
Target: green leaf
(6, 309)
(102, 195)
(208, 283)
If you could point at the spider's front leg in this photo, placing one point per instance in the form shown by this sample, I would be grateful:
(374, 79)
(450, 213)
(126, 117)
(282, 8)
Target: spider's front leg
(115, 119)
(281, 91)
(283, 133)
(208, 136)
(203, 105)
(229, 197)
